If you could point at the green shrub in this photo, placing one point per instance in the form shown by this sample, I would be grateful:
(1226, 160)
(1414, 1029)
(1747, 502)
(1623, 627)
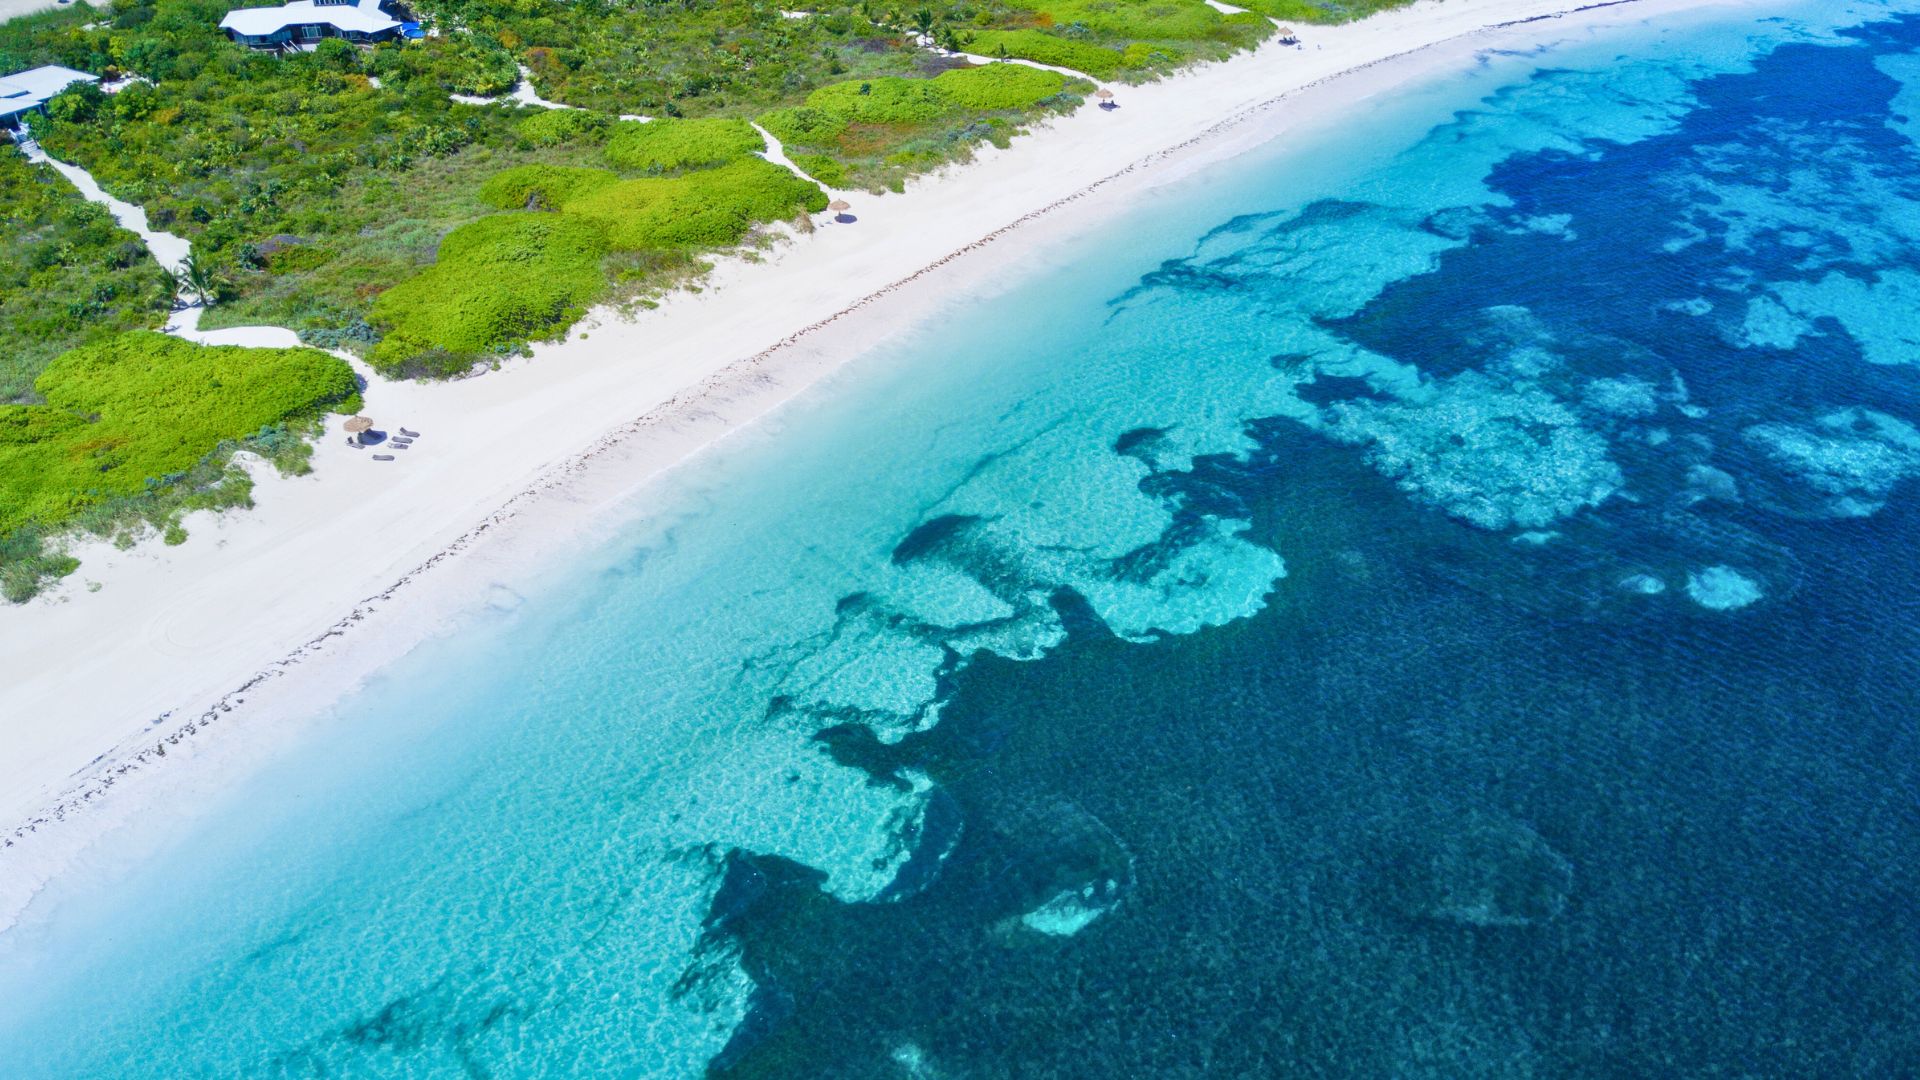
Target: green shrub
(999, 86)
(551, 127)
(542, 187)
(805, 126)
(130, 414)
(478, 65)
(517, 277)
(1332, 11)
(880, 131)
(1145, 56)
(667, 146)
(1044, 48)
(68, 273)
(500, 280)
(825, 169)
(703, 209)
(882, 101)
(1164, 20)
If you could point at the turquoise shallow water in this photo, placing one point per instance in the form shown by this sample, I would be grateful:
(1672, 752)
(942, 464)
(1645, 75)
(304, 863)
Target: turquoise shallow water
(1433, 602)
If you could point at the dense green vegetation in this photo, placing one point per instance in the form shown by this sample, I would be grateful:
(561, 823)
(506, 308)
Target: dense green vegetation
(501, 279)
(880, 131)
(1321, 11)
(137, 428)
(1096, 60)
(515, 277)
(553, 127)
(1124, 39)
(670, 58)
(69, 275)
(342, 193)
(312, 184)
(303, 187)
(674, 145)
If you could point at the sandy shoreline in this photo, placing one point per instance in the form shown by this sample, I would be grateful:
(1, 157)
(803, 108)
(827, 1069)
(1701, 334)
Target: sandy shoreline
(10, 9)
(265, 617)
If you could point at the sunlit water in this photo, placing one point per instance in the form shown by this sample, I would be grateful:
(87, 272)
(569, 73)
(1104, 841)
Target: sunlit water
(1438, 602)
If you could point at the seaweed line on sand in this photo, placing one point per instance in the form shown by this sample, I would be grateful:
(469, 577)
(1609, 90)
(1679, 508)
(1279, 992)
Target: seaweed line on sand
(686, 403)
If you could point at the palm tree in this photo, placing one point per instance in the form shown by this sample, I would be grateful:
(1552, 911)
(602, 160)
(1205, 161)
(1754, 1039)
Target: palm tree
(923, 21)
(197, 279)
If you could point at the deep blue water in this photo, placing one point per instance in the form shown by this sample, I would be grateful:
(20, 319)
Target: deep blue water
(1442, 607)
(1452, 807)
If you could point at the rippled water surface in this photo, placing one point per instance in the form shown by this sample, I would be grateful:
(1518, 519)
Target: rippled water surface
(1441, 605)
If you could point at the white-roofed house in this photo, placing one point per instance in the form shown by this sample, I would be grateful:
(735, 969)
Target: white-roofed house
(28, 91)
(308, 22)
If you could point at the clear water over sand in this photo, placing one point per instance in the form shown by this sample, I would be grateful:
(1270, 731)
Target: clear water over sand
(1437, 605)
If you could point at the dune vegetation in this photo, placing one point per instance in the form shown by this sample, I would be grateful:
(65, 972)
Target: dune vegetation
(875, 133)
(70, 273)
(311, 184)
(674, 145)
(344, 194)
(133, 430)
(572, 233)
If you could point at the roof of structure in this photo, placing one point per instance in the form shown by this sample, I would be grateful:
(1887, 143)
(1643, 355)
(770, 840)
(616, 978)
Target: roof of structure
(365, 17)
(30, 89)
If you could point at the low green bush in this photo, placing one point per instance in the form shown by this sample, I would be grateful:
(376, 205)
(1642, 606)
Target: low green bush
(880, 131)
(1163, 20)
(552, 127)
(1332, 11)
(669, 146)
(68, 273)
(499, 280)
(805, 125)
(1146, 56)
(541, 187)
(128, 415)
(517, 277)
(999, 86)
(822, 168)
(704, 209)
(1045, 48)
(888, 100)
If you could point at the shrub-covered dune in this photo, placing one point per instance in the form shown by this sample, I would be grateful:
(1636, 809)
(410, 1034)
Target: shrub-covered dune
(68, 273)
(672, 146)
(876, 132)
(137, 428)
(529, 274)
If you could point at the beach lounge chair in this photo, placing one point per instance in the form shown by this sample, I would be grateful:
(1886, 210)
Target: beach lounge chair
(383, 457)
(409, 434)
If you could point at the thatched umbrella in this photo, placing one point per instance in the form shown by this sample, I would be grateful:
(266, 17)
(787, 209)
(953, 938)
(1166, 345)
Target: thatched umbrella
(839, 206)
(357, 424)
(1286, 34)
(1103, 94)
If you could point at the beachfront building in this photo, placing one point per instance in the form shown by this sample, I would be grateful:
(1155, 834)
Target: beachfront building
(29, 91)
(305, 23)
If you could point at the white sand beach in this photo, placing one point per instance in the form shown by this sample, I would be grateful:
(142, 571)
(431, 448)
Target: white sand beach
(263, 616)
(12, 8)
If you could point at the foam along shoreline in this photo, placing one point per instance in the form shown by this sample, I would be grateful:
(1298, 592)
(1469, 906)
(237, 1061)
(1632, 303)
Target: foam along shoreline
(266, 616)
